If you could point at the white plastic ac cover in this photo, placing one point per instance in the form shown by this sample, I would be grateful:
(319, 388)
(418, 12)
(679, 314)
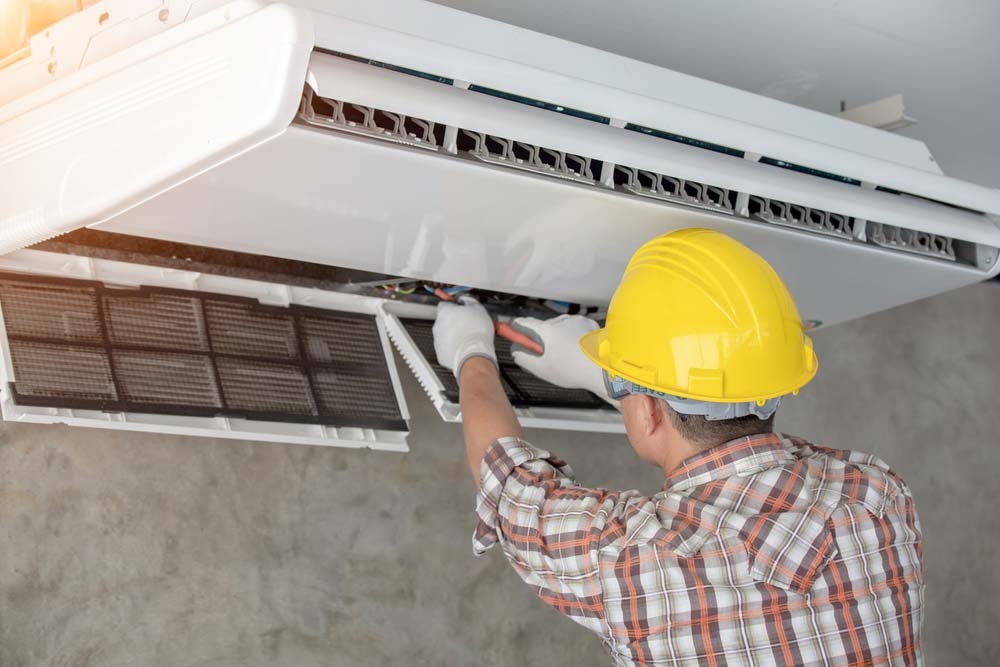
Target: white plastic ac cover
(418, 141)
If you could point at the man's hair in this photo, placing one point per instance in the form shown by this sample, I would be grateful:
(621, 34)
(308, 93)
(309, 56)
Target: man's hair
(704, 434)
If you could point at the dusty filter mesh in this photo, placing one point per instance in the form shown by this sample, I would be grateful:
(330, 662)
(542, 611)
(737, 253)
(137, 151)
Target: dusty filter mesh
(522, 388)
(77, 344)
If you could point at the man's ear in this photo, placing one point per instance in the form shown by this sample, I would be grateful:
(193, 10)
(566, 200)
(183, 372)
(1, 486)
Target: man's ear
(650, 415)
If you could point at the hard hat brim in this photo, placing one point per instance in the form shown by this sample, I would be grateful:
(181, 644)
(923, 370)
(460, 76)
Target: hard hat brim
(590, 344)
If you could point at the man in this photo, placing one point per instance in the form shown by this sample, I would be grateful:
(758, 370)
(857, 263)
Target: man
(760, 549)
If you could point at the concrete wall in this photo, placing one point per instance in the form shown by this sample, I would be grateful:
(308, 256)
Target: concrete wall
(129, 549)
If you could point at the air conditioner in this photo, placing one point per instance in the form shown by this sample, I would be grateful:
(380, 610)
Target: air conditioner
(416, 141)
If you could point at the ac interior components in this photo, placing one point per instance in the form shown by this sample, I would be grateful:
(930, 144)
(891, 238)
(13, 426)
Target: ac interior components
(536, 402)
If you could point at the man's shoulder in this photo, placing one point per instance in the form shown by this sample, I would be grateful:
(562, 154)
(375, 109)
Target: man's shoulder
(857, 457)
(850, 472)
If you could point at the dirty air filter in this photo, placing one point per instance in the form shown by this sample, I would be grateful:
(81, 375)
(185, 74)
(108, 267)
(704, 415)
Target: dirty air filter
(79, 344)
(522, 388)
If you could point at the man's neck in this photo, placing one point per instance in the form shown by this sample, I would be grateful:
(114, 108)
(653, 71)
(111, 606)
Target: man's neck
(675, 454)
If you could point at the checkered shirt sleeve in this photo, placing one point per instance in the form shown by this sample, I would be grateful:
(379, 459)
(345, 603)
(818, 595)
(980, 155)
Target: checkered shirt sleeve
(549, 528)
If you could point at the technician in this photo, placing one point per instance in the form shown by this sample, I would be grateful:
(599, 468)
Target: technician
(760, 549)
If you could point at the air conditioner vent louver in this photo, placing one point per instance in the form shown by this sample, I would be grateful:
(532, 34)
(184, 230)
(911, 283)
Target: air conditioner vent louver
(633, 127)
(800, 217)
(659, 186)
(370, 122)
(911, 241)
(537, 159)
(466, 143)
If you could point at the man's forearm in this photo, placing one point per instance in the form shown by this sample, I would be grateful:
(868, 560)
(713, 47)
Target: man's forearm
(486, 412)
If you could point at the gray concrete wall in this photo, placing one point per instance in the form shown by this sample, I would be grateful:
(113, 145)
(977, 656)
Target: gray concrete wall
(131, 549)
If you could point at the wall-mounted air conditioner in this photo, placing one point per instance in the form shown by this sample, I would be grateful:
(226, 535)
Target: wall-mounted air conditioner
(417, 141)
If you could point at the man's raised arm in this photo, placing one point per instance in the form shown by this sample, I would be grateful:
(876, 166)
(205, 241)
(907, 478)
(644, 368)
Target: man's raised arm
(463, 341)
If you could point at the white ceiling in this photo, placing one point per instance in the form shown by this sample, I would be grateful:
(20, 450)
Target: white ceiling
(943, 56)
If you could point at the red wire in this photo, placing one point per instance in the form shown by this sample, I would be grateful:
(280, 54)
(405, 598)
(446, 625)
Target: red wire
(444, 296)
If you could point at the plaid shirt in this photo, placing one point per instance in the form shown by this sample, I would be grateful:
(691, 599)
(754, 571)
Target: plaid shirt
(765, 550)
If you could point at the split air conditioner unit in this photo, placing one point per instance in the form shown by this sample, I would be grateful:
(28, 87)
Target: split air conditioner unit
(417, 141)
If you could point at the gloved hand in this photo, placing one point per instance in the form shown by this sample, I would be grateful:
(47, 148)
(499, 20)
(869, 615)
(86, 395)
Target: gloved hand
(562, 362)
(462, 330)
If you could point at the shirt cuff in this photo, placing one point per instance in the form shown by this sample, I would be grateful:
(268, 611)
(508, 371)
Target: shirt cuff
(499, 462)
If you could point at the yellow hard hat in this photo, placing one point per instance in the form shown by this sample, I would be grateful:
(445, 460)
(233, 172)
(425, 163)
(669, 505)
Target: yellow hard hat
(699, 315)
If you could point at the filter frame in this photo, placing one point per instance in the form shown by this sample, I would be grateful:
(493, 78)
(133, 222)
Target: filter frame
(377, 370)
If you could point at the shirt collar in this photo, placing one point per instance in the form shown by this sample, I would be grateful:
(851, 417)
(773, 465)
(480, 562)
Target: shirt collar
(742, 456)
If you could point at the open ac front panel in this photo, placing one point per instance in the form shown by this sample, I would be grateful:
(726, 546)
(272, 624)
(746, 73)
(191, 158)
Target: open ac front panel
(108, 344)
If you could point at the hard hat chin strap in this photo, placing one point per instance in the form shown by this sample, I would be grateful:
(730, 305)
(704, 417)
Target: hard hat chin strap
(618, 388)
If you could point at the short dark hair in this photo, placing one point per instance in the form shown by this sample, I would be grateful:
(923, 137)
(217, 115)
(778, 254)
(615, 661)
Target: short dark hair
(705, 434)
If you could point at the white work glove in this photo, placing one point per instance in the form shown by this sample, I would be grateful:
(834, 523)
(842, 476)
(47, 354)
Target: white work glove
(562, 362)
(463, 330)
